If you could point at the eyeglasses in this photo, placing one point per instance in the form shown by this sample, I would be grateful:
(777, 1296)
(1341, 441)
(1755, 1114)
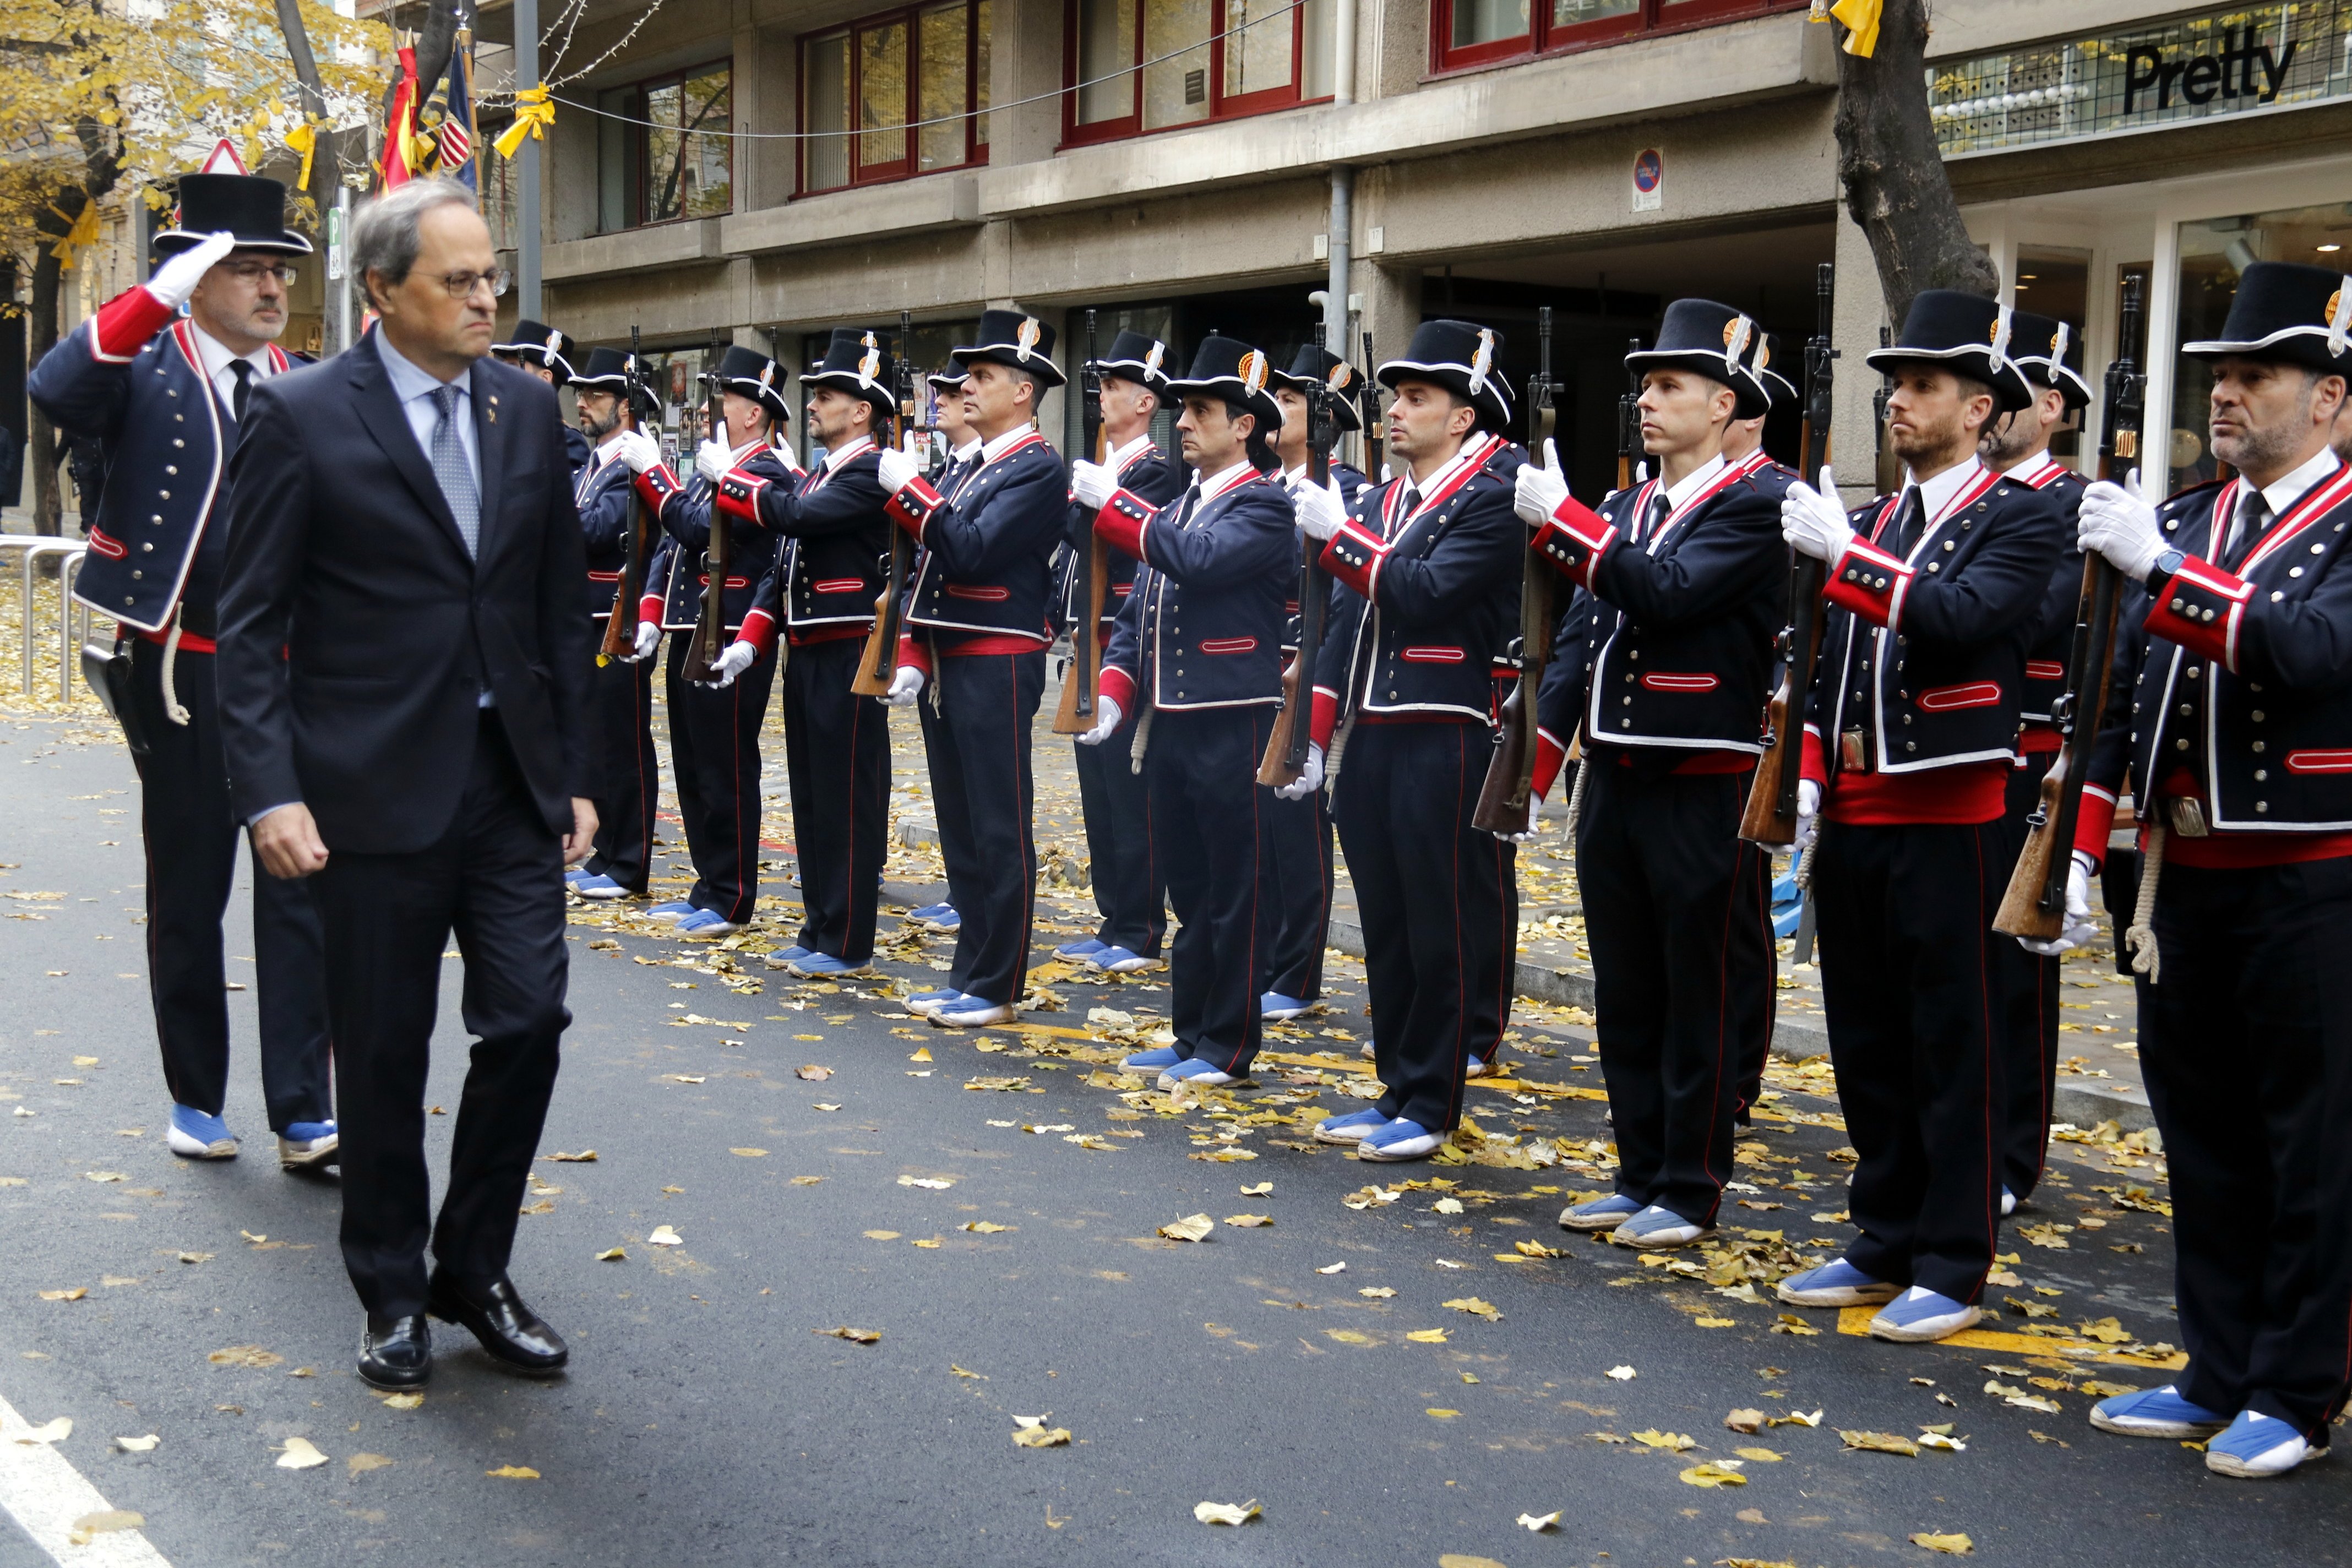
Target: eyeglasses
(461, 285)
(255, 271)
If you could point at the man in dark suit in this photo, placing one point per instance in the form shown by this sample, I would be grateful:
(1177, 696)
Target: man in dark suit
(403, 706)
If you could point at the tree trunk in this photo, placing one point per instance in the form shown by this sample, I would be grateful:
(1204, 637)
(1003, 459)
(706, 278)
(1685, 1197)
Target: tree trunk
(41, 452)
(325, 173)
(1895, 188)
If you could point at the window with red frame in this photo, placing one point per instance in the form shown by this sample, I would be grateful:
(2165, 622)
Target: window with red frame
(664, 152)
(1134, 66)
(1465, 33)
(894, 95)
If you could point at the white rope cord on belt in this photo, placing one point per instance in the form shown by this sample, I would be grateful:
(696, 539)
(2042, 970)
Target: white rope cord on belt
(172, 709)
(2141, 935)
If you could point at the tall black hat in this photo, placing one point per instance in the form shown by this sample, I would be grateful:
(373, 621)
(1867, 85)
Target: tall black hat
(748, 373)
(1764, 362)
(2289, 313)
(250, 206)
(2050, 352)
(1136, 356)
(1314, 366)
(949, 376)
(614, 370)
(856, 363)
(1462, 357)
(1964, 332)
(1011, 338)
(1713, 341)
(1231, 369)
(536, 342)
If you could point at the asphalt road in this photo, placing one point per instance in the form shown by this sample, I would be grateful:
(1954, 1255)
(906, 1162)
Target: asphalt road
(708, 1418)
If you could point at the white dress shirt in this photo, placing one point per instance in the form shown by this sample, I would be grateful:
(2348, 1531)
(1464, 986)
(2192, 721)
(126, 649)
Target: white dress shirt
(414, 389)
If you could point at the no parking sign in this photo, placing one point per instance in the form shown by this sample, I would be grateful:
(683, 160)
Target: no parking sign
(1649, 181)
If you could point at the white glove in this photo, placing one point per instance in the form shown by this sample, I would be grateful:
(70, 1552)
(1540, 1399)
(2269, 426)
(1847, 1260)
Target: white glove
(905, 686)
(1321, 512)
(899, 470)
(639, 450)
(1107, 718)
(1808, 815)
(176, 279)
(2076, 927)
(1093, 484)
(1309, 779)
(1812, 521)
(1540, 490)
(739, 657)
(2117, 522)
(648, 639)
(714, 461)
(1535, 800)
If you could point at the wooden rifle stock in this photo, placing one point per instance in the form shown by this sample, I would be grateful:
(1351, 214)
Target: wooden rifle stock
(1091, 556)
(1504, 797)
(1286, 745)
(878, 665)
(621, 624)
(710, 625)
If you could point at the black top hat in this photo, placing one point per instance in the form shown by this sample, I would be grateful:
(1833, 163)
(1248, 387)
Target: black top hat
(856, 363)
(614, 370)
(1963, 332)
(750, 374)
(536, 342)
(1136, 356)
(1315, 366)
(1763, 363)
(1713, 341)
(949, 377)
(2050, 352)
(1011, 338)
(250, 206)
(2286, 311)
(1465, 358)
(1231, 369)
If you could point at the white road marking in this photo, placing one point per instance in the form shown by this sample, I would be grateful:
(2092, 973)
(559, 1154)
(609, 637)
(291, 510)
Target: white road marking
(44, 1494)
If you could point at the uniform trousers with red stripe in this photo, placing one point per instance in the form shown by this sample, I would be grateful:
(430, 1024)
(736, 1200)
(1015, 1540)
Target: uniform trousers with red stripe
(1679, 911)
(2246, 1042)
(1130, 893)
(2029, 1011)
(1304, 863)
(837, 757)
(622, 696)
(714, 750)
(976, 718)
(1211, 829)
(1439, 902)
(1913, 997)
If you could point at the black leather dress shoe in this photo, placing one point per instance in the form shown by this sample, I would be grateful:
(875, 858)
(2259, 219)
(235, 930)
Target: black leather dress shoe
(508, 1330)
(396, 1353)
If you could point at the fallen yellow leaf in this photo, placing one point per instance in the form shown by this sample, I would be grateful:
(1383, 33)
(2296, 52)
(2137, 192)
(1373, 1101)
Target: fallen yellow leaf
(1427, 1336)
(749, 1154)
(664, 1236)
(1225, 1512)
(1623, 1374)
(1377, 1292)
(881, 1235)
(1444, 1415)
(300, 1454)
(513, 1473)
(413, 1399)
(1258, 1190)
(246, 1355)
(55, 1431)
(922, 1054)
(585, 1157)
(985, 1226)
(1350, 1337)
(1030, 1432)
(1476, 1308)
(1881, 1443)
(90, 1526)
(1761, 1456)
(1539, 1522)
(814, 1073)
(856, 1336)
(1714, 1322)
(1191, 1227)
(359, 1463)
(137, 1445)
(1672, 1442)
(1248, 1221)
(1712, 1476)
(1744, 1420)
(612, 1254)
(76, 1294)
(1957, 1545)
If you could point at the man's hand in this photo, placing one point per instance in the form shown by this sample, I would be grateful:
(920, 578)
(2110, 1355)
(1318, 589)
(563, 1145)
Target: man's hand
(2117, 522)
(1309, 779)
(712, 460)
(287, 842)
(176, 282)
(639, 450)
(896, 470)
(1093, 484)
(1540, 490)
(1812, 521)
(1107, 718)
(2076, 927)
(1321, 512)
(648, 639)
(739, 657)
(1534, 802)
(905, 687)
(1808, 815)
(582, 837)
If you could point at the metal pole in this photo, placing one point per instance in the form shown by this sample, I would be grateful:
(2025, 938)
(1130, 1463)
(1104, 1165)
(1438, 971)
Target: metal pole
(526, 74)
(338, 271)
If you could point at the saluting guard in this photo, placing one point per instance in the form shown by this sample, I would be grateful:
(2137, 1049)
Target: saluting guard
(166, 399)
(1684, 582)
(1196, 661)
(977, 634)
(2230, 718)
(822, 591)
(1936, 595)
(549, 355)
(1425, 606)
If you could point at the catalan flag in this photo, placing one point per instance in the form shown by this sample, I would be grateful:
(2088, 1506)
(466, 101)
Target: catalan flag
(400, 126)
(448, 118)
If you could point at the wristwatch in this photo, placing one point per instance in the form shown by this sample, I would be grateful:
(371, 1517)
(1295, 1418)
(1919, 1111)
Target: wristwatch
(2167, 563)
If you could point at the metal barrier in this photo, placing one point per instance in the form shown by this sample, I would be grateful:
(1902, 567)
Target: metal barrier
(35, 547)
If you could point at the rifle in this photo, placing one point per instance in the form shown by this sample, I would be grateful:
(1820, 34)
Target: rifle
(879, 663)
(1376, 449)
(1293, 732)
(710, 625)
(1510, 773)
(1091, 557)
(1629, 420)
(2035, 903)
(1771, 813)
(621, 626)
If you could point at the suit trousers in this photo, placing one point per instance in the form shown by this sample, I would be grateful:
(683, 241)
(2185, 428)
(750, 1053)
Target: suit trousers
(2029, 997)
(1130, 891)
(2247, 1046)
(621, 697)
(184, 814)
(1438, 901)
(837, 758)
(1304, 865)
(1913, 999)
(1211, 838)
(976, 715)
(1678, 909)
(496, 876)
(714, 755)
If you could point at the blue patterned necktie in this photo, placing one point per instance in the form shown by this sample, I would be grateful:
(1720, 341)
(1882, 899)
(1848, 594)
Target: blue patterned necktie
(449, 468)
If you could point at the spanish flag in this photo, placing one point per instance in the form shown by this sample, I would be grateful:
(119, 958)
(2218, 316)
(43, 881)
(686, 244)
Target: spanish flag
(400, 126)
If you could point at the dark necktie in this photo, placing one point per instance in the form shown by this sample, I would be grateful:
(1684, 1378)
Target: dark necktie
(242, 371)
(1192, 504)
(1911, 524)
(1656, 518)
(2251, 522)
(1412, 505)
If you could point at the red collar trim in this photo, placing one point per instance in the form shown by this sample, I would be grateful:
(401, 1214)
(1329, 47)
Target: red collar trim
(1471, 458)
(2322, 498)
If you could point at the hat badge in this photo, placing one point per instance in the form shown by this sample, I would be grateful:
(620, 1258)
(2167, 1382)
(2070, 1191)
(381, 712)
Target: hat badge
(767, 375)
(2000, 337)
(555, 342)
(2339, 318)
(1734, 338)
(1342, 375)
(2058, 346)
(1763, 354)
(872, 360)
(1151, 359)
(1482, 361)
(1025, 340)
(1253, 371)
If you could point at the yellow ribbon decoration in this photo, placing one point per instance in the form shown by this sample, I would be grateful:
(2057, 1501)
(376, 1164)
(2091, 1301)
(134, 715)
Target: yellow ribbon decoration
(303, 139)
(80, 237)
(1860, 19)
(534, 111)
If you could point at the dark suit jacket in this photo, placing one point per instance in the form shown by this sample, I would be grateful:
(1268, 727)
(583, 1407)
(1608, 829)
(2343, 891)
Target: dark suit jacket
(356, 635)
